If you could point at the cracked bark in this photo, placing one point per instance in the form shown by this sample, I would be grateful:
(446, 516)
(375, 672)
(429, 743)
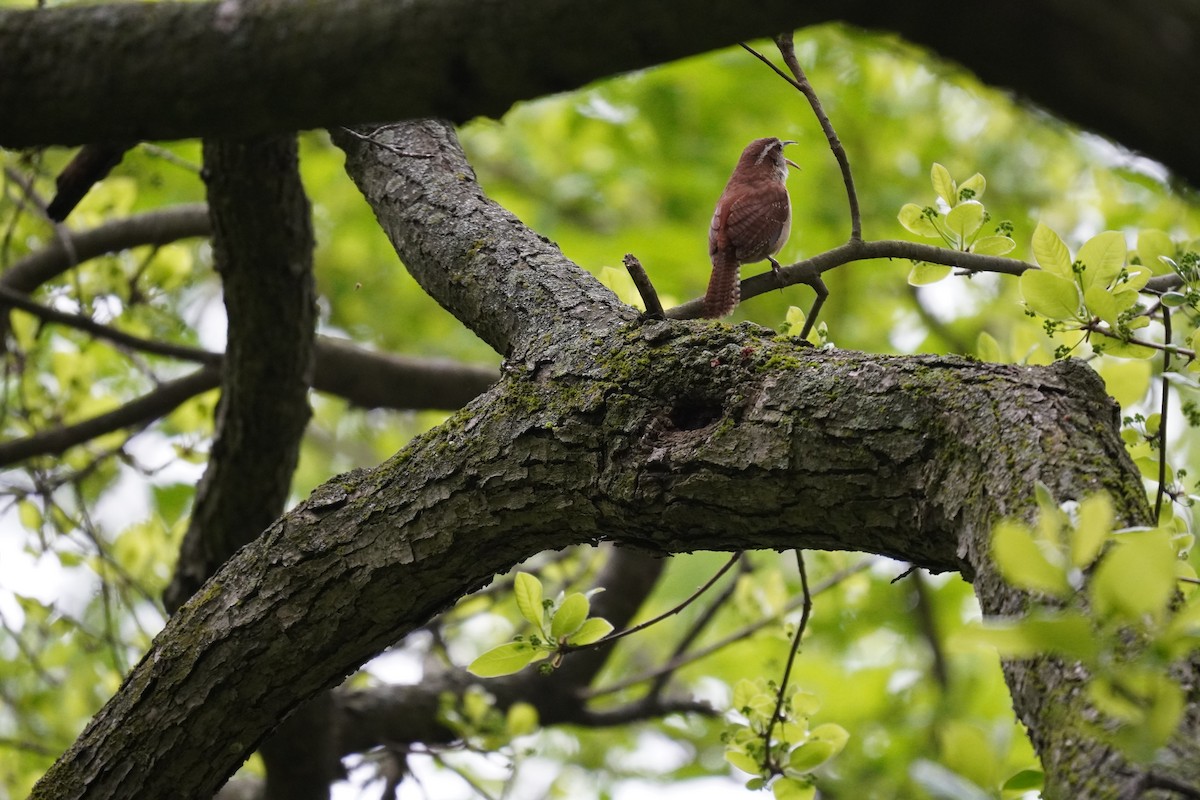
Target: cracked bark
(672, 436)
(262, 243)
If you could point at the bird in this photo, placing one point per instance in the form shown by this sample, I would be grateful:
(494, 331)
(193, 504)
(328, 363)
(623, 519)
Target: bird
(751, 222)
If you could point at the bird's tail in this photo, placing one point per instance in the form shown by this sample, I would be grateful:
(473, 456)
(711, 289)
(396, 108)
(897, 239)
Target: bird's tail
(724, 287)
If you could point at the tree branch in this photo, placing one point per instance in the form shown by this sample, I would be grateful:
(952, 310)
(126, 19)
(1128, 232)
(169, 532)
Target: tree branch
(106, 332)
(263, 251)
(514, 289)
(811, 269)
(169, 71)
(367, 379)
(134, 414)
(709, 450)
(669, 436)
(345, 61)
(151, 228)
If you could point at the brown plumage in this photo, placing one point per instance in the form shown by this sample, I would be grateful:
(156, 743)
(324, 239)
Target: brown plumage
(751, 222)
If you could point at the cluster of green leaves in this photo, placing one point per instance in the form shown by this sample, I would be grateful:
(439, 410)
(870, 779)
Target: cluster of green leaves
(475, 719)
(784, 755)
(957, 219)
(1099, 284)
(1111, 600)
(558, 625)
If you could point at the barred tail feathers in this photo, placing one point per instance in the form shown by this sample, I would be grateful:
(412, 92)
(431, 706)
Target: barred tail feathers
(724, 287)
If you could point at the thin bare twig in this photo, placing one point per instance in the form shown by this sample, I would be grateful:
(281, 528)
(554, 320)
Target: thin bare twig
(805, 613)
(788, 50)
(641, 280)
(1162, 418)
(809, 270)
(101, 331)
(612, 637)
(391, 148)
(736, 636)
(695, 630)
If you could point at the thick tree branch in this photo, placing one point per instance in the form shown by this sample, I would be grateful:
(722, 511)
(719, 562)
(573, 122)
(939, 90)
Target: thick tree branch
(169, 71)
(671, 436)
(518, 293)
(240, 69)
(263, 250)
(263, 247)
(717, 439)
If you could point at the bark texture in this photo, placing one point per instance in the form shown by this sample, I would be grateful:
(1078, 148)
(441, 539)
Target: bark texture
(671, 436)
(175, 70)
(263, 250)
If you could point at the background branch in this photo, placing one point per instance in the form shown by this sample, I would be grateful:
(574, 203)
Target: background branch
(134, 414)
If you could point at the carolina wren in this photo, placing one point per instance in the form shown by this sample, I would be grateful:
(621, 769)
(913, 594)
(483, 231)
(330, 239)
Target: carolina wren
(751, 222)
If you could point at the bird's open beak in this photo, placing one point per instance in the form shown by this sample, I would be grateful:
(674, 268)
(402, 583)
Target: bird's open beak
(788, 160)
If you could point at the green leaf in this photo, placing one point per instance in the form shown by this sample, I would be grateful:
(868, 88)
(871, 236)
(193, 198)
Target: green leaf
(1172, 299)
(1103, 256)
(1049, 294)
(503, 660)
(1137, 277)
(833, 733)
(592, 630)
(1120, 349)
(793, 789)
(569, 616)
(1151, 244)
(993, 246)
(743, 761)
(1124, 297)
(521, 719)
(925, 273)
(943, 184)
(1101, 303)
(1136, 578)
(1166, 709)
(1027, 780)
(810, 755)
(1050, 252)
(965, 220)
(1092, 530)
(804, 704)
(528, 591)
(987, 348)
(1186, 620)
(744, 692)
(1127, 381)
(976, 184)
(1023, 563)
(913, 218)
(1067, 633)
(29, 515)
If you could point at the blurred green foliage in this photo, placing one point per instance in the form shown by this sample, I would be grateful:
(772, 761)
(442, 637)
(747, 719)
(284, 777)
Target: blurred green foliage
(633, 164)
